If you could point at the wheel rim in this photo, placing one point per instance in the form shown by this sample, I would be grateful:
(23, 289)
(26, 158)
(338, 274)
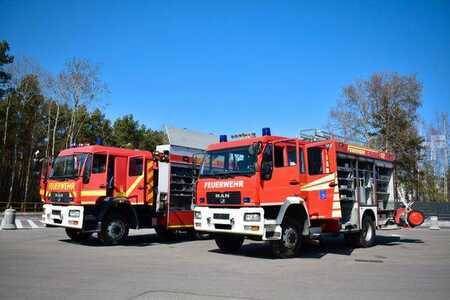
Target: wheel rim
(116, 229)
(290, 238)
(368, 232)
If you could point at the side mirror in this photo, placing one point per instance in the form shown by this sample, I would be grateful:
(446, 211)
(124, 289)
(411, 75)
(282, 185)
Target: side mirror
(86, 178)
(266, 171)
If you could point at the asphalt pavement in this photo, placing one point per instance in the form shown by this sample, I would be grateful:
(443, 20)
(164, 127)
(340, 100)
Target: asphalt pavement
(44, 264)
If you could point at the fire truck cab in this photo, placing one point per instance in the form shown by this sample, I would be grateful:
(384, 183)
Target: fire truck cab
(109, 190)
(282, 190)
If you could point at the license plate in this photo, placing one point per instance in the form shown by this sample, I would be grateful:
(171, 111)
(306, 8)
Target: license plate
(221, 216)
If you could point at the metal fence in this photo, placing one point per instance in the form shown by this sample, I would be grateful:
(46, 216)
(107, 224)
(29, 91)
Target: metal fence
(23, 206)
(441, 210)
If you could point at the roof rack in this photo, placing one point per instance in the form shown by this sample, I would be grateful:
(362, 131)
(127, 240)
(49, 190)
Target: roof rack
(316, 134)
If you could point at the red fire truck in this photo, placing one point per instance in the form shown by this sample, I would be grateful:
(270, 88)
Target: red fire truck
(110, 190)
(283, 190)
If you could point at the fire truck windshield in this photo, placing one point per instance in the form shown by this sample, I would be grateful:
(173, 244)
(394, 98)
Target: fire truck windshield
(68, 166)
(228, 163)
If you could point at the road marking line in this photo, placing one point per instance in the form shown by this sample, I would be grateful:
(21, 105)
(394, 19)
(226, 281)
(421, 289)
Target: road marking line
(32, 224)
(19, 224)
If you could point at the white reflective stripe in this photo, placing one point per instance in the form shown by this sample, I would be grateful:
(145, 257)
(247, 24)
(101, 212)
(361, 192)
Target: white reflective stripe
(336, 197)
(336, 205)
(19, 224)
(32, 224)
(336, 214)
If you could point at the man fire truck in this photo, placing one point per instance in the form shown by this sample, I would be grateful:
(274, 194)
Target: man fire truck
(283, 190)
(109, 190)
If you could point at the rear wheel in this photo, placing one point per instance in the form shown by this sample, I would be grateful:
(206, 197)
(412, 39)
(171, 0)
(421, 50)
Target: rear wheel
(291, 239)
(365, 237)
(77, 235)
(114, 229)
(229, 243)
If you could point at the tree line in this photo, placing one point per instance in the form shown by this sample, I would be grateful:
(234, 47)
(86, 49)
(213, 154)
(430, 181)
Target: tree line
(43, 113)
(382, 112)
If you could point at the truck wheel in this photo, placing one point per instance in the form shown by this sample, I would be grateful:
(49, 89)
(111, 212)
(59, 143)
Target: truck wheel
(166, 233)
(77, 235)
(291, 239)
(229, 243)
(114, 229)
(365, 237)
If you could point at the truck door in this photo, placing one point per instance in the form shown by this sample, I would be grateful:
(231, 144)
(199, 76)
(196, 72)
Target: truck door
(135, 182)
(96, 186)
(321, 182)
(284, 181)
(120, 176)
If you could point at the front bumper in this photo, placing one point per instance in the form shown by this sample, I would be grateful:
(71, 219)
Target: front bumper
(58, 215)
(231, 220)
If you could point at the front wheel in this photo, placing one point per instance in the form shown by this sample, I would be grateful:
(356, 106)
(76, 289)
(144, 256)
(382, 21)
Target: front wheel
(229, 243)
(291, 239)
(77, 235)
(114, 229)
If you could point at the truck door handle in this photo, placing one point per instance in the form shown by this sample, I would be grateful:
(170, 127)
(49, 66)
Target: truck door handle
(333, 184)
(294, 182)
(102, 186)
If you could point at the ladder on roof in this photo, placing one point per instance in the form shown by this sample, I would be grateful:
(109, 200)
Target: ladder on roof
(316, 134)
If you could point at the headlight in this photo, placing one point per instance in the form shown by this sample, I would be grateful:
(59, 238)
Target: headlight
(74, 213)
(198, 215)
(252, 217)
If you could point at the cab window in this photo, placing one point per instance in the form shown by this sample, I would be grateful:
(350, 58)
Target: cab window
(302, 160)
(291, 156)
(279, 156)
(136, 166)
(315, 166)
(99, 163)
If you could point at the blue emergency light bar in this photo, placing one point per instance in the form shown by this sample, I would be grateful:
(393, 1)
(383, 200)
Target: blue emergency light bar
(266, 131)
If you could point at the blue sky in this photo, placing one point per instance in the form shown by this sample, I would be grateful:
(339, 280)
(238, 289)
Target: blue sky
(233, 66)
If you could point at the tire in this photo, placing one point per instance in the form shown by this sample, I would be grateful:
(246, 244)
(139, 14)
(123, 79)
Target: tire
(166, 233)
(114, 229)
(77, 235)
(229, 243)
(364, 238)
(291, 239)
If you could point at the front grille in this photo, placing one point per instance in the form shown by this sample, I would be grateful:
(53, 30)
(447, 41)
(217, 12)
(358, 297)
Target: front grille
(223, 198)
(221, 216)
(60, 197)
(222, 226)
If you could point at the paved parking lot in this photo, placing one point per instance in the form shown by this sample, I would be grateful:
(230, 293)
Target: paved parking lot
(44, 264)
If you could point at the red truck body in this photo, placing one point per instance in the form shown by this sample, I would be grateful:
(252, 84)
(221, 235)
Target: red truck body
(110, 190)
(283, 189)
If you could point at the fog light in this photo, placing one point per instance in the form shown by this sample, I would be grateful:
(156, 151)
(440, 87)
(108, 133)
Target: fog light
(198, 214)
(198, 224)
(251, 227)
(72, 222)
(74, 213)
(252, 217)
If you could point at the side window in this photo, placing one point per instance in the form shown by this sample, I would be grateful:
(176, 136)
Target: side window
(279, 156)
(302, 160)
(291, 156)
(99, 163)
(136, 166)
(315, 161)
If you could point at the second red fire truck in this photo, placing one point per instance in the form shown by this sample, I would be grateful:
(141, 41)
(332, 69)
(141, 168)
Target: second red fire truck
(109, 190)
(283, 190)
